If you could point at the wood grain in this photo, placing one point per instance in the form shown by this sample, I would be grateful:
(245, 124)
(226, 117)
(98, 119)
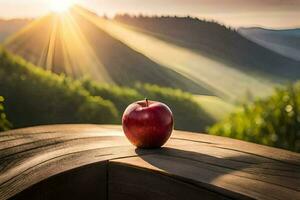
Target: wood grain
(97, 162)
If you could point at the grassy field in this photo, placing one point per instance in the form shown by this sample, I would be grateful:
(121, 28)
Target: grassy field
(216, 107)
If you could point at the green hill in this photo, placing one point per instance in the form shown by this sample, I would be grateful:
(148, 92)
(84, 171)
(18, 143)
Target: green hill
(274, 121)
(34, 96)
(75, 46)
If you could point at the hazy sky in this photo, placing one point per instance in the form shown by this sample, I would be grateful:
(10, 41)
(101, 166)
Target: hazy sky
(267, 13)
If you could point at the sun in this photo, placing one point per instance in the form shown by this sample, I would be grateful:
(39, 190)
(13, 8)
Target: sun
(60, 6)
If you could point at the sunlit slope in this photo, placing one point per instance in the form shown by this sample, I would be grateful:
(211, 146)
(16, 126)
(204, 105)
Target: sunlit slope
(219, 43)
(284, 42)
(71, 44)
(214, 75)
(11, 26)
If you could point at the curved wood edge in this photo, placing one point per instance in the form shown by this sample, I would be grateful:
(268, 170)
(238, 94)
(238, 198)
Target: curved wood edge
(231, 167)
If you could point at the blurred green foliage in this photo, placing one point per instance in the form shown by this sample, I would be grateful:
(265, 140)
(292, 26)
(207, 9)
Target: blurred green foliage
(274, 121)
(4, 123)
(120, 96)
(35, 96)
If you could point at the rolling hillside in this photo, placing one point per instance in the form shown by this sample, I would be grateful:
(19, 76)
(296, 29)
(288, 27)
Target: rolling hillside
(284, 42)
(249, 68)
(201, 57)
(34, 96)
(9, 27)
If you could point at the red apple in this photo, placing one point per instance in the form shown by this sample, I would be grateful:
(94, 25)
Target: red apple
(148, 124)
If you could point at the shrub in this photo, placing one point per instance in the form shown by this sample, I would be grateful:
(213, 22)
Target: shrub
(4, 123)
(274, 121)
(120, 96)
(35, 96)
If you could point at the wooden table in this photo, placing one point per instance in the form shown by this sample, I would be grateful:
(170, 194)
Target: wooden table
(97, 162)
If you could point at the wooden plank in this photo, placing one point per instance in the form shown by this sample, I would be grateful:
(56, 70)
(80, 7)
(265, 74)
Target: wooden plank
(27, 164)
(241, 146)
(211, 165)
(219, 178)
(88, 182)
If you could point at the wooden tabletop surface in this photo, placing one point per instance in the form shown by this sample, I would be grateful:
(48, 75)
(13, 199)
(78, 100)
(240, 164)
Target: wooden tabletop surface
(97, 162)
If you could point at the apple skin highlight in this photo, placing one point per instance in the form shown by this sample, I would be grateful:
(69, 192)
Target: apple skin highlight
(148, 124)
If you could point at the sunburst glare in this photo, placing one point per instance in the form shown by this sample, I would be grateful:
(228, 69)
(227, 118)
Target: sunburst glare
(61, 6)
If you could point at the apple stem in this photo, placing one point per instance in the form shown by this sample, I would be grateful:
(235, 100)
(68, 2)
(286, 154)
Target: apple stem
(147, 103)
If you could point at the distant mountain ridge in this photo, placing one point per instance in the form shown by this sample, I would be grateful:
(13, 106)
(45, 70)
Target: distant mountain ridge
(218, 42)
(285, 42)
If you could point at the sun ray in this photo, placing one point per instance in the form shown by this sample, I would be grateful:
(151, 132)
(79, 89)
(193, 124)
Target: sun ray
(45, 49)
(78, 58)
(51, 47)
